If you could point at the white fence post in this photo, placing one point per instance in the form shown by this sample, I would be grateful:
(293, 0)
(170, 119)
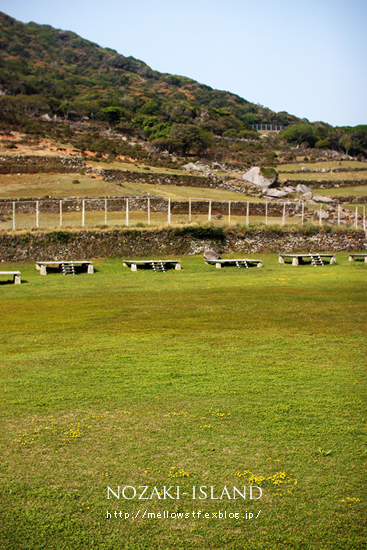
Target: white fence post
(127, 213)
(169, 209)
(37, 215)
(248, 213)
(283, 217)
(210, 211)
(83, 213)
(13, 215)
(189, 209)
(229, 212)
(148, 210)
(60, 213)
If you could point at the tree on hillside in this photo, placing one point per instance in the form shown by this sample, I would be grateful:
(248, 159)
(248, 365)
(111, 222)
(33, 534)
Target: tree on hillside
(187, 137)
(300, 133)
(184, 138)
(112, 115)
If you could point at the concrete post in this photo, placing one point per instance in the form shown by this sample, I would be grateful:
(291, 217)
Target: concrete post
(134, 267)
(333, 260)
(281, 260)
(90, 268)
(43, 270)
(127, 214)
(295, 261)
(37, 215)
(283, 217)
(178, 266)
(17, 280)
(218, 265)
(210, 211)
(60, 213)
(350, 259)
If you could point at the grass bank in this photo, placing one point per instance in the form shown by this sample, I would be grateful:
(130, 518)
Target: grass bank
(199, 377)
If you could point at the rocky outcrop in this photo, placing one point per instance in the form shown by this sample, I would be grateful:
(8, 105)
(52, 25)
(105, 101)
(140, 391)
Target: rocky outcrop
(257, 178)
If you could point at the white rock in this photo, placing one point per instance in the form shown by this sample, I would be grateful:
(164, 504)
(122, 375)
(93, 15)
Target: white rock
(256, 178)
(276, 193)
(322, 198)
(301, 188)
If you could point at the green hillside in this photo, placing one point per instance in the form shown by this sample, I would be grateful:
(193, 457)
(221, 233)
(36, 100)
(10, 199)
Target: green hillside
(46, 72)
(75, 77)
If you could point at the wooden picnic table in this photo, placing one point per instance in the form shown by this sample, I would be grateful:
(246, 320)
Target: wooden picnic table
(16, 276)
(239, 262)
(316, 259)
(67, 266)
(156, 265)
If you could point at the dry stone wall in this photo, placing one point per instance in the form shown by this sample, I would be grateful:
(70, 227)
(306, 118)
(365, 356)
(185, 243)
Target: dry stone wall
(157, 204)
(60, 245)
(121, 176)
(35, 165)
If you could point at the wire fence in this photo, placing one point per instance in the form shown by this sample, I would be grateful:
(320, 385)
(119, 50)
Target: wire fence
(92, 212)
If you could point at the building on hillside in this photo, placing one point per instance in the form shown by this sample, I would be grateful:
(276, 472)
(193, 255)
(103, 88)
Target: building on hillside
(268, 127)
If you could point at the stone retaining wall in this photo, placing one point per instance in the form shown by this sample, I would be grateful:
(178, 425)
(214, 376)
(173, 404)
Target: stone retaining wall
(157, 204)
(120, 176)
(35, 165)
(60, 245)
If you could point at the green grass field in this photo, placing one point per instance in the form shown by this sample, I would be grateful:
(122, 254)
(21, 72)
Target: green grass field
(61, 186)
(327, 176)
(329, 164)
(199, 377)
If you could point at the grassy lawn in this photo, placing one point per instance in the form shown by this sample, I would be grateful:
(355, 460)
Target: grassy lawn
(327, 176)
(199, 377)
(358, 190)
(61, 185)
(73, 220)
(331, 164)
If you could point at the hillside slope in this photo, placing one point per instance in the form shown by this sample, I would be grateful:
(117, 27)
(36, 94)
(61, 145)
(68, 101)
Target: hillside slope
(74, 78)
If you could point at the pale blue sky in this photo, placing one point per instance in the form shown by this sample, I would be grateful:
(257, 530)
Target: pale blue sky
(304, 57)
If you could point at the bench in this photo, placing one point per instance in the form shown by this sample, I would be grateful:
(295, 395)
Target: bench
(67, 266)
(358, 257)
(156, 265)
(239, 263)
(16, 276)
(316, 259)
